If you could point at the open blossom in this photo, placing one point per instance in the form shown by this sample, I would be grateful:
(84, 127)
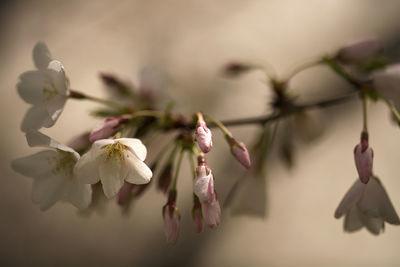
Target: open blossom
(171, 218)
(52, 171)
(106, 129)
(360, 51)
(45, 88)
(113, 161)
(203, 136)
(367, 205)
(363, 156)
(204, 190)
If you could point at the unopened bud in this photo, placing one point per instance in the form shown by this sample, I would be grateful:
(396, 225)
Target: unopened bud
(165, 178)
(106, 129)
(236, 68)
(363, 156)
(203, 136)
(171, 218)
(196, 215)
(359, 51)
(239, 150)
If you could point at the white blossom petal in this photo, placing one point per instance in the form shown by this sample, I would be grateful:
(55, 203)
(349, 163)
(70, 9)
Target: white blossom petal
(35, 118)
(86, 169)
(352, 220)
(30, 87)
(48, 190)
(36, 139)
(135, 171)
(80, 195)
(35, 165)
(111, 178)
(376, 203)
(350, 199)
(373, 224)
(136, 146)
(41, 55)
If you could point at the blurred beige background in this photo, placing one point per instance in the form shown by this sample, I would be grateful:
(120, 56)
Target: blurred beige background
(191, 40)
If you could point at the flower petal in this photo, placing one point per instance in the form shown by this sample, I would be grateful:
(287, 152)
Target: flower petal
(135, 171)
(111, 177)
(35, 165)
(48, 190)
(80, 195)
(41, 55)
(376, 203)
(136, 145)
(30, 86)
(352, 220)
(35, 118)
(350, 199)
(36, 138)
(86, 169)
(373, 225)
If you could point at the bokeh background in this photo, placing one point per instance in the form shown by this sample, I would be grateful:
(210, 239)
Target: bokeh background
(190, 41)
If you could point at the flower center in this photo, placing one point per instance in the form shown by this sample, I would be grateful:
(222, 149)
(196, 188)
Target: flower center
(49, 93)
(64, 163)
(115, 151)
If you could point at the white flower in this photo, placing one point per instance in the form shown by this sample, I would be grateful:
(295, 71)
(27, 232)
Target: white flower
(113, 161)
(45, 88)
(367, 205)
(387, 83)
(52, 171)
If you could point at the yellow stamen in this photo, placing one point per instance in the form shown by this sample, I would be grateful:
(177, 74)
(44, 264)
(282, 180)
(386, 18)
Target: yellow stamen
(115, 151)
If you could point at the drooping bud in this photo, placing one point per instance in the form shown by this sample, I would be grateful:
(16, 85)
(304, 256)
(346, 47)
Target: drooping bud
(197, 215)
(239, 150)
(236, 68)
(357, 52)
(203, 135)
(125, 193)
(363, 156)
(106, 129)
(204, 189)
(204, 183)
(211, 212)
(171, 218)
(165, 178)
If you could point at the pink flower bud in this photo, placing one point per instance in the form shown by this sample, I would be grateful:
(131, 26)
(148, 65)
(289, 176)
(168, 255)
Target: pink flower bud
(211, 212)
(359, 51)
(204, 184)
(171, 219)
(106, 129)
(203, 137)
(239, 150)
(197, 216)
(125, 193)
(363, 156)
(165, 178)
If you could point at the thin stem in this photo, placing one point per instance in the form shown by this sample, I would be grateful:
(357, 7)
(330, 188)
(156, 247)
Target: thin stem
(392, 108)
(178, 166)
(78, 95)
(145, 113)
(338, 69)
(220, 125)
(304, 66)
(273, 117)
(365, 112)
(192, 165)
